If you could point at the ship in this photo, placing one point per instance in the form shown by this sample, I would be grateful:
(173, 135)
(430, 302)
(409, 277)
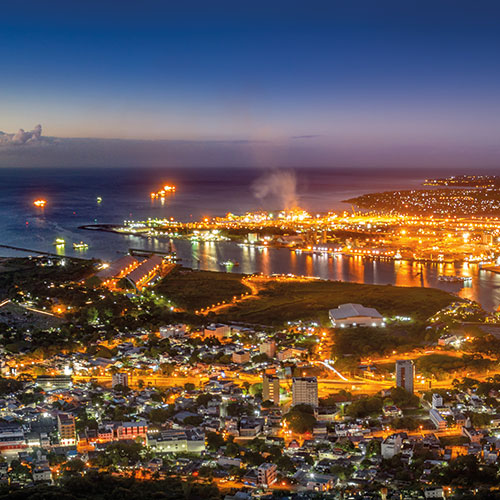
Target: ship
(80, 246)
(59, 242)
(167, 189)
(40, 203)
(454, 278)
(229, 263)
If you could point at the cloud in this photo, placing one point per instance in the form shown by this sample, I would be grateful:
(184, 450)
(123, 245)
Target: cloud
(310, 136)
(22, 137)
(33, 149)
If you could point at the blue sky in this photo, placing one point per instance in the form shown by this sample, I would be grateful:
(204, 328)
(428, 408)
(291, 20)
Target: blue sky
(357, 82)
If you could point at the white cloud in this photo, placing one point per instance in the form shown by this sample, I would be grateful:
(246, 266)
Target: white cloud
(22, 136)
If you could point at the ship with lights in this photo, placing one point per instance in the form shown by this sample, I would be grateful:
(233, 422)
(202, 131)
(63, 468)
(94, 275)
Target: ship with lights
(164, 191)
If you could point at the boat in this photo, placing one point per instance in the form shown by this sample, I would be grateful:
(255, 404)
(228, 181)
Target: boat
(40, 203)
(454, 278)
(80, 246)
(99, 199)
(229, 263)
(167, 189)
(59, 242)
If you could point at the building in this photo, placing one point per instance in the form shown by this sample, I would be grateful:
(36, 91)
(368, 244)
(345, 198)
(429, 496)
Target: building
(437, 401)
(438, 419)
(173, 331)
(267, 474)
(349, 315)
(268, 348)
(219, 331)
(117, 269)
(241, 357)
(119, 379)
(131, 430)
(391, 446)
(292, 353)
(145, 272)
(11, 437)
(305, 391)
(66, 428)
(320, 482)
(48, 382)
(41, 474)
(271, 389)
(405, 374)
(177, 441)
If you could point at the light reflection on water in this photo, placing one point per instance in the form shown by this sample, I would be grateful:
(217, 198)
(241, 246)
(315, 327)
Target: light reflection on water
(484, 288)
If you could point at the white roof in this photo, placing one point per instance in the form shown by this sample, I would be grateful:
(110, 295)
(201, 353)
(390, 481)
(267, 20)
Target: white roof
(345, 311)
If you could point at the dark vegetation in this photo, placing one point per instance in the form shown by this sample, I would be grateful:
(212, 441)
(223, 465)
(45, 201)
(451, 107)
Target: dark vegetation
(105, 487)
(27, 273)
(282, 301)
(194, 290)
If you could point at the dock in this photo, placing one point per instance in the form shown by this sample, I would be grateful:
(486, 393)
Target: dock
(141, 252)
(36, 252)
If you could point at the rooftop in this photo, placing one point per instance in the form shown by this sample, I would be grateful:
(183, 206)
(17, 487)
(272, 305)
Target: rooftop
(353, 310)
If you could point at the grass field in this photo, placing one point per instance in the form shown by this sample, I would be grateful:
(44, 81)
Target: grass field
(193, 290)
(283, 301)
(279, 301)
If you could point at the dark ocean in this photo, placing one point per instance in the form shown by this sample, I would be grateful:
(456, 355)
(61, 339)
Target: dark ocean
(72, 201)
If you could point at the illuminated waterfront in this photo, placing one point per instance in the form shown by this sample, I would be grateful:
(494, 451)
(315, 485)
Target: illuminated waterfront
(124, 194)
(484, 287)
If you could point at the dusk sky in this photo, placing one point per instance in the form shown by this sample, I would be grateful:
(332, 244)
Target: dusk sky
(351, 83)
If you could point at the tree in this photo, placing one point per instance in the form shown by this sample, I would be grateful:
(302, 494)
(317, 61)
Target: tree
(364, 407)
(73, 467)
(214, 440)
(255, 389)
(20, 471)
(161, 415)
(403, 398)
(301, 419)
(92, 315)
(193, 420)
(285, 463)
(373, 448)
(232, 450)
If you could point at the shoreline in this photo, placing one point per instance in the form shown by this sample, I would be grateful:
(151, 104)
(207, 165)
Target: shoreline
(113, 228)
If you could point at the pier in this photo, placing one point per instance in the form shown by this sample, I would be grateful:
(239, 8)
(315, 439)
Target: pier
(37, 252)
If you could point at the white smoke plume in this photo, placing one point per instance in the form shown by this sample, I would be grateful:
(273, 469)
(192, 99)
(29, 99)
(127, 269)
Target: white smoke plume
(22, 136)
(280, 184)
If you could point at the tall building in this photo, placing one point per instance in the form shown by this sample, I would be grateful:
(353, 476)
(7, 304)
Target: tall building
(405, 374)
(119, 379)
(305, 391)
(268, 348)
(66, 428)
(271, 389)
(267, 474)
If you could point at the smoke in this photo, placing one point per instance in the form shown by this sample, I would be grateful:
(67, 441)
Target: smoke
(22, 137)
(280, 184)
